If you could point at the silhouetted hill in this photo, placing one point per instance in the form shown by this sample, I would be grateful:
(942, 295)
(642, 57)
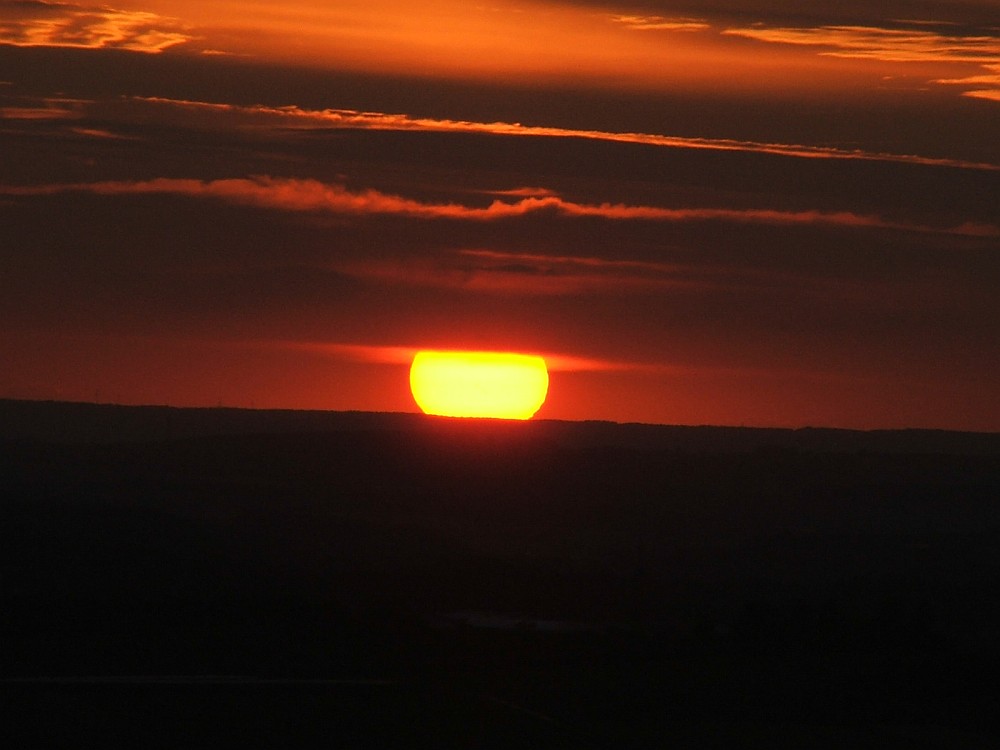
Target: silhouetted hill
(494, 584)
(56, 421)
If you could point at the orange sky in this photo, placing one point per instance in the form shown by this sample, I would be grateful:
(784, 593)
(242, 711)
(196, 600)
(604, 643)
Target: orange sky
(531, 42)
(726, 212)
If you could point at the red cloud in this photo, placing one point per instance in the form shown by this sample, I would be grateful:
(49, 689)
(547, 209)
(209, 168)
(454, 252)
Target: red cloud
(291, 194)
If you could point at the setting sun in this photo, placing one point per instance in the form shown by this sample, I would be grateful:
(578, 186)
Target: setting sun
(479, 384)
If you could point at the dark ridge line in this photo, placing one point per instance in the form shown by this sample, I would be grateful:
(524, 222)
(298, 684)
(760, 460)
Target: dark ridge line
(94, 423)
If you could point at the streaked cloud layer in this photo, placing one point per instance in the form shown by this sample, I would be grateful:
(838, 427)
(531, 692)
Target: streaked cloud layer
(904, 42)
(890, 44)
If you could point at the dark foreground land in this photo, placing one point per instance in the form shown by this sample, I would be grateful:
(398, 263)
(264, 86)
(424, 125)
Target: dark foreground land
(184, 578)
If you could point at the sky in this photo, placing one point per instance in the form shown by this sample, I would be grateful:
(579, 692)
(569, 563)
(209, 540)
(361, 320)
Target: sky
(736, 212)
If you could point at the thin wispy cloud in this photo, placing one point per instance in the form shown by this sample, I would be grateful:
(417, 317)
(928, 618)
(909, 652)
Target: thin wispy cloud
(525, 274)
(990, 94)
(555, 361)
(522, 192)
(293, 117)
(905, 45)
(37, 113)
(49, 108)
(518, 274)
(51, 24)
(537, 274)
(660, 23)
(403, 355)
(375, 354)
(102, 134)
(892, 45)
(289, 194)
(990, 80)
(551, 262)
(592, 273)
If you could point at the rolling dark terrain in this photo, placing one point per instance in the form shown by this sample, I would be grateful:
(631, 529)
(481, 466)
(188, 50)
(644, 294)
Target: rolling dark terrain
(175, 577)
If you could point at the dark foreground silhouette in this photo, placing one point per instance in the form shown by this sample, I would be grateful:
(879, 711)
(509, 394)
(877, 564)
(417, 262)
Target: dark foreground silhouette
(290, 579)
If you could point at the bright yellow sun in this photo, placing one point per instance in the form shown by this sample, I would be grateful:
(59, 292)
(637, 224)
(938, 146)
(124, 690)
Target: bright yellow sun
(479, 384)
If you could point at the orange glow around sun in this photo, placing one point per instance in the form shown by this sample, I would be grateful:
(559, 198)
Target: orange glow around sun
(479, 384)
